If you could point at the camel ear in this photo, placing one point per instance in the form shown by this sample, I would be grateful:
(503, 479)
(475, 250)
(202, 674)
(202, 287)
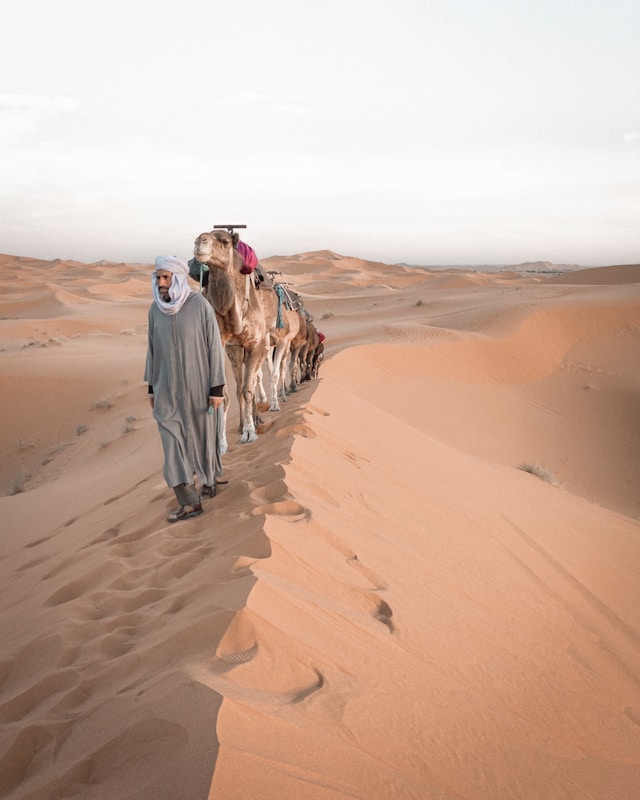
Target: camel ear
(236, 239)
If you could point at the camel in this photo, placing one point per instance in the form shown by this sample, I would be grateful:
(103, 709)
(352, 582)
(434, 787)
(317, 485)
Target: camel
(299, 345)
(283, 379)
(316, 359)
(308, 351)
(251, 321)
(244, 313)
(281, 339)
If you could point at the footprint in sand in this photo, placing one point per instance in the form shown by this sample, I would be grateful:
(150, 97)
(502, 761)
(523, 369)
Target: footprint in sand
(38, 541)
(298, 429)
(376, 581)
(105, 536)
(124, 494)
(111, 604)
(316, 410)
(26, 701)
(272, 499)
(288, 509)
(81, 586)
(117, 644)
(273, 491)
(29, 564)
(383, 614)
(30, 742)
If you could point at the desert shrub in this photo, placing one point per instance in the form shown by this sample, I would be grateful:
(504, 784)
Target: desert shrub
(103, 404)
(540, 472)
(19, 482)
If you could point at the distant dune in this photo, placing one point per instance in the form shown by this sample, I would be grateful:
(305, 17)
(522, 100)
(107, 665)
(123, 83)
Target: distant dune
(527, 266)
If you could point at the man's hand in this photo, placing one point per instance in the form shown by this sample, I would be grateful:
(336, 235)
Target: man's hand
(216, 402)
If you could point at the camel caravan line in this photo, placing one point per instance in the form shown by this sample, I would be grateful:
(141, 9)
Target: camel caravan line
(260, 320)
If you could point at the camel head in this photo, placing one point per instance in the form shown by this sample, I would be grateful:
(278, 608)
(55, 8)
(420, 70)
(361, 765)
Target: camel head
(217, 249)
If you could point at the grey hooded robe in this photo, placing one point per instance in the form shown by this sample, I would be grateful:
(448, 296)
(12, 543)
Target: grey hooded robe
(185, 358)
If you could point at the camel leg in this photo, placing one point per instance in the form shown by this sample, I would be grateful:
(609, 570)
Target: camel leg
(258, 390)
(275, 375)
(294, 363)
(236, 357)
(252, 362)
(302, 362)
(316, 365)
(284, 373)
(308, 367)
(261, 395)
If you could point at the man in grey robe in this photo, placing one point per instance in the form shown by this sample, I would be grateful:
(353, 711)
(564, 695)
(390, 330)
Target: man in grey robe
(185, 373)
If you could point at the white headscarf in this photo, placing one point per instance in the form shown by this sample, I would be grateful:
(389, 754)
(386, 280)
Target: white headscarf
(179, 289)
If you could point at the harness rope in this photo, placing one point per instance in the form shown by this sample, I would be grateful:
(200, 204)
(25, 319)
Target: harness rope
(247, 289)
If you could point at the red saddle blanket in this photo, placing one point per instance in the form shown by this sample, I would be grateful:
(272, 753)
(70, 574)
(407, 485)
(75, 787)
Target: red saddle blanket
(249, 257)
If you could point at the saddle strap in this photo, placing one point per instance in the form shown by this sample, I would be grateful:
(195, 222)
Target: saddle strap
(247, 290)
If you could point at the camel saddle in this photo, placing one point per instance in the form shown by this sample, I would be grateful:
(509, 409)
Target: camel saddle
(292, 299)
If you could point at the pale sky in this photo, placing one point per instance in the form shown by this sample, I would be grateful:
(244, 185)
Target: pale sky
(420, 131)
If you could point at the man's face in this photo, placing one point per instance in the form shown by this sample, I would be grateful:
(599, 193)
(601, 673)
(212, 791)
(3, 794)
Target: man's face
(163, 282)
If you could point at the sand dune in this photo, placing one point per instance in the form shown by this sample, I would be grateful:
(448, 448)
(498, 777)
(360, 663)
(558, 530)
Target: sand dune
(422, 581)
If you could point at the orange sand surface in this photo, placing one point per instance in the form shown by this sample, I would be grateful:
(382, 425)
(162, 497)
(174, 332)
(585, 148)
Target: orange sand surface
(422, 581)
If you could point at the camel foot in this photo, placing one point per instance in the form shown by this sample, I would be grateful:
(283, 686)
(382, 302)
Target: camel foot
(274, 407)
(248, 437)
